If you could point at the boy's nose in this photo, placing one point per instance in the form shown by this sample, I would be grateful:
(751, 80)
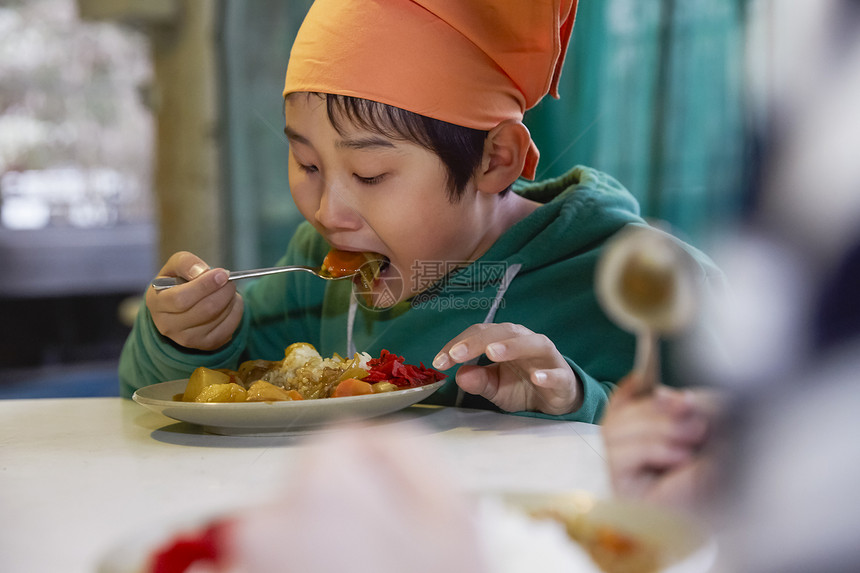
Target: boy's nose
(337, 210)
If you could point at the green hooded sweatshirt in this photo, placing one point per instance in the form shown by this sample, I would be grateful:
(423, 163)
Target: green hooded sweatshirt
(540, 274)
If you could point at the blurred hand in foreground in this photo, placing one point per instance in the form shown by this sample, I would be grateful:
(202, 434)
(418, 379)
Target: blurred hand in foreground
(658, 444)
(363, 501)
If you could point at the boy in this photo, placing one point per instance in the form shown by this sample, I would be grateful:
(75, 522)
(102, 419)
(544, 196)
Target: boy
(404, 124)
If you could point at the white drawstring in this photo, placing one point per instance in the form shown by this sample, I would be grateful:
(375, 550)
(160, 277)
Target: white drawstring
(350, 325)
(510, 273)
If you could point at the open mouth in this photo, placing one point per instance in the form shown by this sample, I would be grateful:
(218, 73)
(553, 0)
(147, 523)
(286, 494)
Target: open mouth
(384, 264)
(378, 284)
(366, 264)
(375, 280)
(372, 269)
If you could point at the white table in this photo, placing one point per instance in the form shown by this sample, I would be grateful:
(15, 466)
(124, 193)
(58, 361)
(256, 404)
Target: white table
(77, 475)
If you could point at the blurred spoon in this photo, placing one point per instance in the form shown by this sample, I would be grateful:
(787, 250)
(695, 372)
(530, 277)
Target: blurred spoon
(646, 282)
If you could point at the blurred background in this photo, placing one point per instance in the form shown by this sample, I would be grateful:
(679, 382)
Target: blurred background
(130, 129)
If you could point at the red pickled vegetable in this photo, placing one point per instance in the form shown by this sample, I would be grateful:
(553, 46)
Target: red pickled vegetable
(392, 368)
(189, 548)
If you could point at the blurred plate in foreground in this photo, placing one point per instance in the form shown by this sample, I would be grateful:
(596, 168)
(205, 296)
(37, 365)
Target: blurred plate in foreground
(630, 537)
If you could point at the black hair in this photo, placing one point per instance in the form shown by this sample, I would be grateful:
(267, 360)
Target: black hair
(459, 148)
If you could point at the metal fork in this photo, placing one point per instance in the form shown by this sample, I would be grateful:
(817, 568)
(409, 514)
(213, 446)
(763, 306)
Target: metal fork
(162, 283)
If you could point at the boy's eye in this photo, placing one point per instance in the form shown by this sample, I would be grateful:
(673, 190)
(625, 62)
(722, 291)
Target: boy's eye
(370, 180)
(305, 167)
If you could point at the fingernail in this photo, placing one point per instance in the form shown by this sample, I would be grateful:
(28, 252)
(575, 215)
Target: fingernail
(495, 351)
(540, 377)
(221, 278)
(197, 270)
(441, 361)
(459, 351)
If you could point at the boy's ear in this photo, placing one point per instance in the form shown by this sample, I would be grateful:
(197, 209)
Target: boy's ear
(504, 156)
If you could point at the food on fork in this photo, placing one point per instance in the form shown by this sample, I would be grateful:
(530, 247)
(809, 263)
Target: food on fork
(304, 374)
(368, 265)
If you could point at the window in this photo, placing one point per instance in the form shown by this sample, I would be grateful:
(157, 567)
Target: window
(75, 138)
(77, 230)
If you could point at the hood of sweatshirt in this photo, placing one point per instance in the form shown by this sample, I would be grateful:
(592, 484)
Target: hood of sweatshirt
(580, 210)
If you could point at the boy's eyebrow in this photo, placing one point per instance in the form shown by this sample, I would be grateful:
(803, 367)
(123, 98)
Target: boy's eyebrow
(292, 135)
(349, 143)
(365, 142)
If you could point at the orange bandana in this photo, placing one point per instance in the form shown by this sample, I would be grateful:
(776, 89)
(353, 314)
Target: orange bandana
(473, 63)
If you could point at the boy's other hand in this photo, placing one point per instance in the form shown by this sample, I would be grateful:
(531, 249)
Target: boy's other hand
(201, 314)
(528, 372)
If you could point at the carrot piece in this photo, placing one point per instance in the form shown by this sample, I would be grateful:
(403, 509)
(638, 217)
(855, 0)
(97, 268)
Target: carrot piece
(294, 395)
(351, 387)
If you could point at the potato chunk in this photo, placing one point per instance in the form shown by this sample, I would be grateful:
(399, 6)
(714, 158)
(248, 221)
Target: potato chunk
(200, 379)
(230, 392)
(262, 391)
(384, 386)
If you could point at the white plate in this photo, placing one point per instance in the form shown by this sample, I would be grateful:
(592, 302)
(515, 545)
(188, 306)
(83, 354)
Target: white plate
(684, 544)
(273, 418)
